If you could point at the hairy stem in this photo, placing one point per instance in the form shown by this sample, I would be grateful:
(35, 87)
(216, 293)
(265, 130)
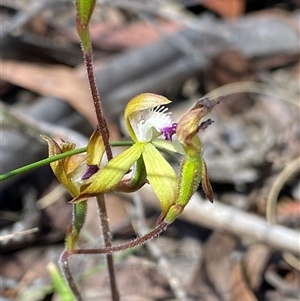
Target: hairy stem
(102, 125)
(108, 244)
(65, 268)
(131, 244)
(103, 129)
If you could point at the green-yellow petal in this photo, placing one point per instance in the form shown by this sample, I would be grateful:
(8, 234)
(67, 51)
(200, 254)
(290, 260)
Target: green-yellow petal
(95, 149)
(107, 178)
(139, 103)
(59, 167)
(161, 176)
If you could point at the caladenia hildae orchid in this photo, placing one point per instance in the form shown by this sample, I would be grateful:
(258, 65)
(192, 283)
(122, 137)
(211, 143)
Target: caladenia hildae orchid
(151, 128)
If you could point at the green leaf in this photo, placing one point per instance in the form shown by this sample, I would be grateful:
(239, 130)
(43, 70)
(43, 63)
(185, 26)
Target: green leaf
(161, 176)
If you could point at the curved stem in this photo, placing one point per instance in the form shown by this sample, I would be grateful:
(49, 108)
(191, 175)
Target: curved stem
(65, 268)
(131, 244)
(64, 258)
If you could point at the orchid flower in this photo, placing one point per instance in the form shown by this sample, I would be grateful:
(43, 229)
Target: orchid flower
(147, 122)
(151, 128)
(70, 172)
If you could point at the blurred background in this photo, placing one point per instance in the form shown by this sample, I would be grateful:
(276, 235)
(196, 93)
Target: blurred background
(245, 52)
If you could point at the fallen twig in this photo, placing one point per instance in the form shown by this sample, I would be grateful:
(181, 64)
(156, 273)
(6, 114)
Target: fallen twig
(244, 225)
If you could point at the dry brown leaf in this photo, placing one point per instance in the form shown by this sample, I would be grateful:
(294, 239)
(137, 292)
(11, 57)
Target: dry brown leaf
(254, 264)
(135, 278)
(288, 207)
(213, 275)
(56, 81)
(137, 34)
(240, 289)
(247, 275)
(226, 8)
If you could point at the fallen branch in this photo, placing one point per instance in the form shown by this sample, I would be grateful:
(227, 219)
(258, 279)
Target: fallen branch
(247, 226)
(175, 58)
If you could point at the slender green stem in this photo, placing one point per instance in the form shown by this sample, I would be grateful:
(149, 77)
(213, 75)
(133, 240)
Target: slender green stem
(40, 163)
(47, 161)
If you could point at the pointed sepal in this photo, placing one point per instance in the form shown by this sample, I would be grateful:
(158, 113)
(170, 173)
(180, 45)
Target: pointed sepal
(206, 186)
(95, 149)
(106, 179)
(161, 176)
(64, 167)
